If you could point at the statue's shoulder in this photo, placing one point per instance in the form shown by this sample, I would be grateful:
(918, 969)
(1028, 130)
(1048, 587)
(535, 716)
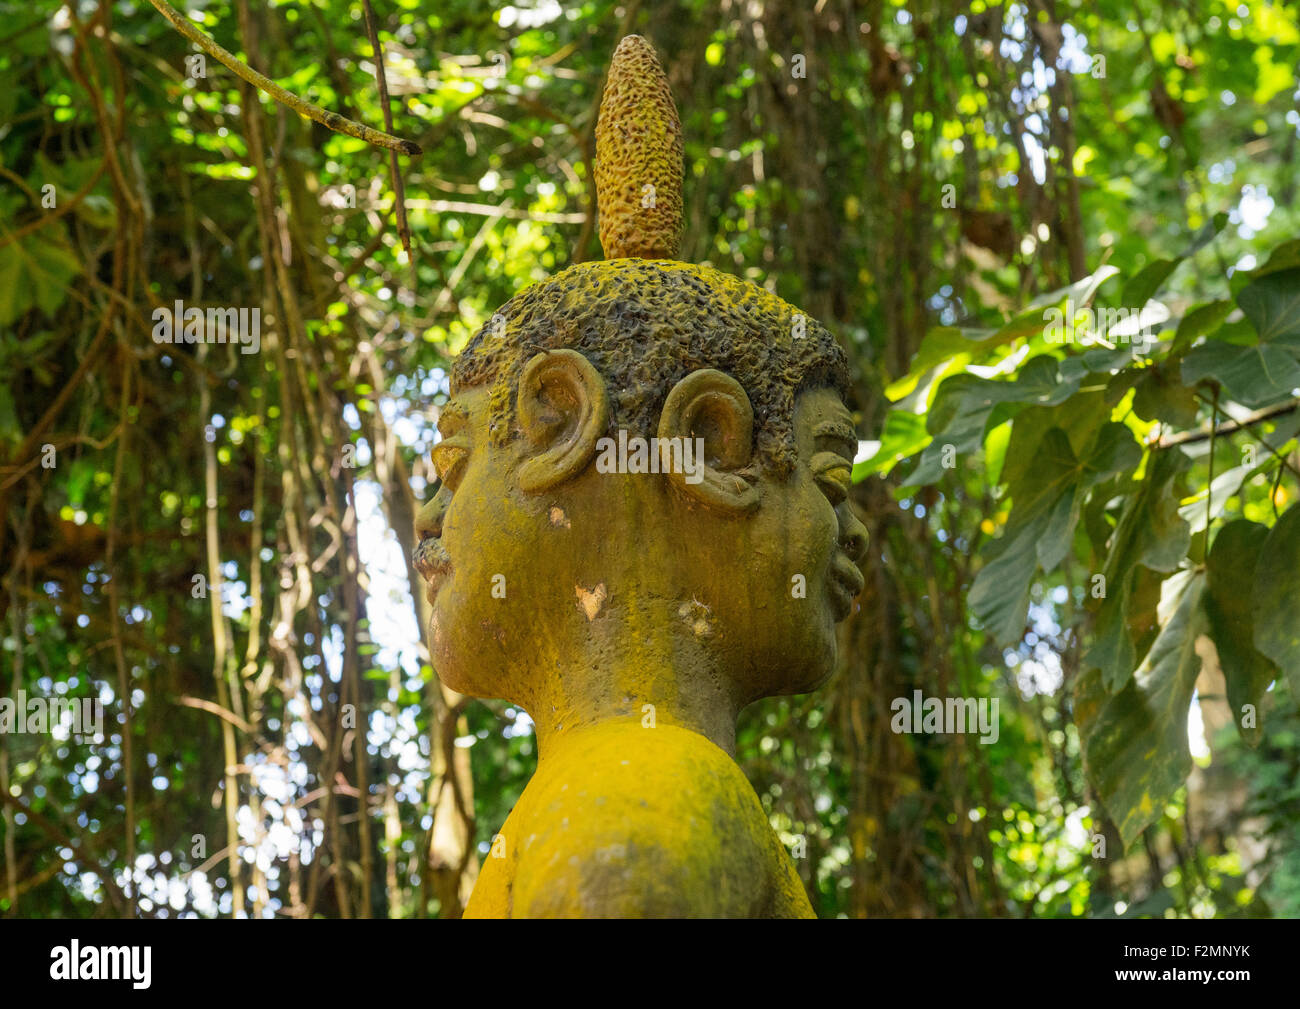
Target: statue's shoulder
(659, 822)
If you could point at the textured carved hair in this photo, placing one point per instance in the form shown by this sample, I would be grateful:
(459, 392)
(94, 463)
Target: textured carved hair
(647, 323)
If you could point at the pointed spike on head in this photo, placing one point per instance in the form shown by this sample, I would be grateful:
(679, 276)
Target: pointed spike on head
(638, 157)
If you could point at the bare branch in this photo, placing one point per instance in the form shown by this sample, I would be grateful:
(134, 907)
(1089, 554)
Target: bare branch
(332, 120)
(399, 190)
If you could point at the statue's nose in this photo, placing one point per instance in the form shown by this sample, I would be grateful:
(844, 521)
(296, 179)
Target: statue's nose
(853, 534)
(428, 520)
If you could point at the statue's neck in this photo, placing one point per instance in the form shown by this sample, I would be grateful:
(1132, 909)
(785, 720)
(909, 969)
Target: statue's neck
(641, 661)
(552, 737)
(638, 694)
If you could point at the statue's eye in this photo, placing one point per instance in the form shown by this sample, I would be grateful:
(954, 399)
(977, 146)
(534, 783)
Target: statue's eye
(833, 474)
(449, 457)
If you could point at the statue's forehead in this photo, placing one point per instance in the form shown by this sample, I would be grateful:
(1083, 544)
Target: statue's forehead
(823, 404)
(820, 414)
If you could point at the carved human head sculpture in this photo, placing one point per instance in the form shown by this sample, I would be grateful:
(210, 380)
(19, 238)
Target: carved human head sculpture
(644, 469)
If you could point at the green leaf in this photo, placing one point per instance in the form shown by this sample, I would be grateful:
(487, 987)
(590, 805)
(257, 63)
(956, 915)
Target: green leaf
(1237, 334)
(1158, 396)
(939, 345)
(1283, 257)
(10, 430)
(1082, 416)
(1223, 487)
(943, 343)
(1114, 451)
(999, 596)
(965, 403)
(35, 270)
(1098, 360)
(1199, 321)
(1151, 534)
(904, 435)
(1078, 293)
(1135, 741)
(1207, 234)
(1138, 289)
(1277, 596)
(1286, 428)
(1231, 612)
(1253, 376)
(1272, 304)
(1040, 530)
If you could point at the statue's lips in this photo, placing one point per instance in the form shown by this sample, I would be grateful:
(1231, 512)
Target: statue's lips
(846, 582)
(431, 560)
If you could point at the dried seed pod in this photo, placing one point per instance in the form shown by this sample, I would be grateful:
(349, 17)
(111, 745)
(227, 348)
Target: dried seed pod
(638, 158)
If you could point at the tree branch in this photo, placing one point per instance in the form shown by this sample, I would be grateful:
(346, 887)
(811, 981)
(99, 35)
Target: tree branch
(331, 120)
(399, 190)
(1231, 426)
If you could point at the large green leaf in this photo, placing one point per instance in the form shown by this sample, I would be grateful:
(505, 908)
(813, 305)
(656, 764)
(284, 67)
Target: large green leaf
(1046, 502)
(1081, 416)
(1158, 395)
(904, 435)
(1199, 321)
(1230, 580)
(943, 343)
(1283, 257)
(1135, 741)
(1253, 376)
(964, 405)
(1150, 534)
(999, 596)
(1277, 596)
(1272, 304)
(937, 346)
(1139, 288)
(35, 270)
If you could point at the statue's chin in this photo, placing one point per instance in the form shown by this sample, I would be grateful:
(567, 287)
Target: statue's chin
(458, 654)
(448, 665)
(808, 668)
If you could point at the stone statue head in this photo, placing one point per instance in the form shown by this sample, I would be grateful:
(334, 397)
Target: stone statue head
(644, 470)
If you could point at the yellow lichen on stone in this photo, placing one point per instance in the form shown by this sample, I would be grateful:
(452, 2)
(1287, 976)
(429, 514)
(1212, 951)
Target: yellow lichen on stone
(638, 158)
(633, 822)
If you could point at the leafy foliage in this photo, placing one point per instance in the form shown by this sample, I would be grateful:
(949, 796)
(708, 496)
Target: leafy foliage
(1124, 413)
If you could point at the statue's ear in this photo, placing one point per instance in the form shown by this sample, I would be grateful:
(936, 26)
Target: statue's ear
(563, 410)
(712, 407)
